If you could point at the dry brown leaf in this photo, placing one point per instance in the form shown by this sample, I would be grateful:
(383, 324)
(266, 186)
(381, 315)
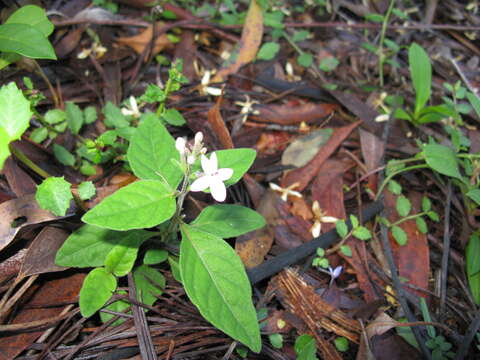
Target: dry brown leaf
(218, 125)
(252, 34)
(141, 41)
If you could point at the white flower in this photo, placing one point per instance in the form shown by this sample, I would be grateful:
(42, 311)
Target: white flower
(180, 144)
(335, 273)
(212, 178)
(286, 192)
(320, 218)
(132, 109)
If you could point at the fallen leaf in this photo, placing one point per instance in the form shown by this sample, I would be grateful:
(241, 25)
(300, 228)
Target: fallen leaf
(304, 148)
(306, 173)
(139, 42)
(250, 41)
(289, 114)
(372, 152)
(218, 125)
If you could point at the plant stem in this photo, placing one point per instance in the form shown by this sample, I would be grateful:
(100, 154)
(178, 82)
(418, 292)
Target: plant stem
(29, 163)
(49, 84)
(388, 178)
(381, 55)
(161, 107)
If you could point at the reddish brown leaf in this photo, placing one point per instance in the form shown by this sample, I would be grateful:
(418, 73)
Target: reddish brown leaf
(142, 40)
(218, 125)
(64, 290)
(306, 173)
(249, 43)
(289, 114)
(414, 268)
(19, 181)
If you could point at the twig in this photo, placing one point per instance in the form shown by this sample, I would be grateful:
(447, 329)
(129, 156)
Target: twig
(468, 338)
(446, 249)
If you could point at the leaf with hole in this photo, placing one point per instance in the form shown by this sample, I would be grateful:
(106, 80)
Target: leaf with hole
(216, 282)
(142, 204)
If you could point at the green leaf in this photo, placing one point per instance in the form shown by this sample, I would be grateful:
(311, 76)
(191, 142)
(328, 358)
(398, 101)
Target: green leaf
(139, 205)
(38, 135)
(227, 221)
(54, 194)
(55, 116)
(305, 347)
(433, 216)
(97, 288)
(403, 206)
(342, 228)
(64, 156)
(421, 73)
(149, 284)
(175, 268)
(346, 250)
(475, 101)
(341, 343)
(422, 225)
(114, 117)
(89, 245)
(34, 16)
(399, 235)
(14, 111)
(216, 282)
(276, 340)
(373, 17)
(120, 259)
(474, 194)
(86, 190)
(117, 306)
(239, 160)
(74, 117)
(173, 117)
(25, 40)
(90, 114)
(300, 35)
(4, 149)
(426, 317)
(305, 59)
(426, 204)
(472, 254)
(362, 233)
(155, 256)
(328, 64)
(394, 187)
(442, 159)
(152, 151)
(268, 51)
(354, 221)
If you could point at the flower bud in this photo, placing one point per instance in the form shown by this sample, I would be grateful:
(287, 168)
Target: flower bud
(180, 145)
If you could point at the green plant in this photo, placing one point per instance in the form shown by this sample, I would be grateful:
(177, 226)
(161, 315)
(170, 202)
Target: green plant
(211, 272)
(305, 347)
(25, 33)
(472, 252)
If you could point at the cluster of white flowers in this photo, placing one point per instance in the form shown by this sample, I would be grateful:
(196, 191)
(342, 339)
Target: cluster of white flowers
(212, 177)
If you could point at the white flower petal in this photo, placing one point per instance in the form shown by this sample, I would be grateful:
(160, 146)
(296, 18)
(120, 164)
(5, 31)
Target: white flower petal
(217, 188)
(224, 174)
(201, 183)
(180, 145)
(336, 273)
(205, 164)
(328, 219)
(274, 186)
(316, 228)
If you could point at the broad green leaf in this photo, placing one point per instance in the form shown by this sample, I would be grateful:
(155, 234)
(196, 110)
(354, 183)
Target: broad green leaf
(354, 221)
(475, 101)
(89, 245)
(54, 194)
(239, 160)
(120, 259)
(403, 206)
(4, 149)
(305, 347)
(342, 228)
(433, 215)
(14, 110)
(216, 282)
(346, 250)
(155, 256)
(90, 114)
(175, 268)
(55, 116)
(139, 205)
(268, 51)
(39, 135)
(362, 233)
(34, 16)
(422, 225)
(341, 343)
(114, 117)
(399, 235)
(472, 255)
(328, 64)
(152, 153)
(117, 306)
(305, 60)
(149, 284)
(228, 220)
(442, 159)
(97, 288)
(474, 194)
(64, 156)
(75, 118)
(86, 190)
(421, 73)
(276, 340)
(173, 117)
(25, 40)
(394, 187)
